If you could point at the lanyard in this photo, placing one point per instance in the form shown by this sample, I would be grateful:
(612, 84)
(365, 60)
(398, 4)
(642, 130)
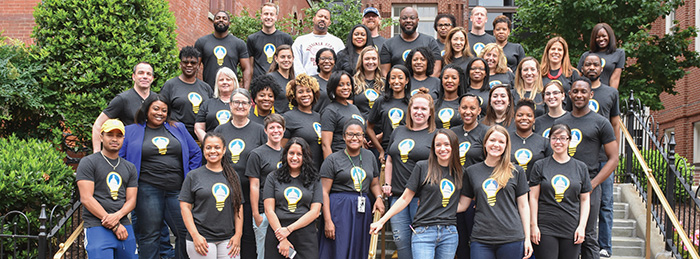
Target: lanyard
(353, 165)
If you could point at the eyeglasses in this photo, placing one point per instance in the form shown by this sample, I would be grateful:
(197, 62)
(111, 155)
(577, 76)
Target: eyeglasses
(445, 25)
(189, 62)
(239, 103)
(325, 58)
(563, 139)
(552, 93)
(350, 135)
(478, 68)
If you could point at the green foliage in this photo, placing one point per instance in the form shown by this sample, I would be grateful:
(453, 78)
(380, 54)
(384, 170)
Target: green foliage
(344, 16)
(657, 61)
(655, 160)
(89, 48)
(243, 25)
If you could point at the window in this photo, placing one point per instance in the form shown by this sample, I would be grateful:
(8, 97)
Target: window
(696, 142)
(669, 21)
(494, 8)
(426, 16)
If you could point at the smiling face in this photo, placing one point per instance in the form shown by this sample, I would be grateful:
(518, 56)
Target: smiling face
(213, 149)
(157, 114)
(420, 112)
(477, 72)
(524, 118)
(189, 66)
(397, 80)
(556, 53)
(274, 132)
(353, 137)
(265, 99)
(371, 20)
(450, 80)
(295, 157)
(559, 141)
(602, 39)
(553, 96)
(580, 94)
(344, 88)
(491, 58)
(529, 72)
(112, 140)
(418, 63)
(304, 96)
(469, 109)
(326, 62)
(458, 41)
(370, 61)
(499, 99)
(240, 106)
(443, 149)
(408, 20)
(495, 144)
(143, 76)
(501, 31)
(268, 16)
(359, 37)
(285, 59)
(226, 85)
(221, 22)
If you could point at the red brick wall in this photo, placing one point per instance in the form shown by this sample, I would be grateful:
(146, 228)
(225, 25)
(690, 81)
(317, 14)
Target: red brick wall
(454, 7)
(16, 19)
(192, 20)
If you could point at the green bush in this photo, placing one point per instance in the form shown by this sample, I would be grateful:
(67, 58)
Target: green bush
(32, 173)
(655, 160)
(243, 25)
(89, 48)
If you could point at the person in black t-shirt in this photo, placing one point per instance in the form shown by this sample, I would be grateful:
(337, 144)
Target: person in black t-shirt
(372, 19)
(293, 197)
(420, 63)
(282, 70)
(553, 97)
(369, 81)
(526, 146)
(222, 49)
(500, 109)
(478, 81)
(556, 65)
(303, 121)
(264, 91)
(604, 43)
(457, 48)
(216, 111)
(444, 22)
(395, 49)
(559, 200)
(358, 38)
(390, 111)
(528, 84)
(338, 112)
(437, 182)
(514, 52)
(325, 62)
(499, 73)
(447, 106)
(263, 44)
(478, 38)
(211, 204)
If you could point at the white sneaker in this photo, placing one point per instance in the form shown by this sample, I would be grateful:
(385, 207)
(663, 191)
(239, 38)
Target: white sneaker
(604, 253)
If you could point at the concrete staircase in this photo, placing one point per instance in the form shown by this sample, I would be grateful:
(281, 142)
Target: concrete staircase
(625, 241)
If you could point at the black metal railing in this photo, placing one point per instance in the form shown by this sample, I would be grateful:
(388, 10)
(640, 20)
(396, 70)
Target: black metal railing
(673, 203)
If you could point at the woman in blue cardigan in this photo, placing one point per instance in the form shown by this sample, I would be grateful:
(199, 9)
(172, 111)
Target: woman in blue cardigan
(163, 152)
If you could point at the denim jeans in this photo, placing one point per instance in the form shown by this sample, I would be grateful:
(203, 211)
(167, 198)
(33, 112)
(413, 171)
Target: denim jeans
(400, 225)
(152, 206)
(605, 220)
(166, 250)
(439, 242)
(260, 232)
(513, 250)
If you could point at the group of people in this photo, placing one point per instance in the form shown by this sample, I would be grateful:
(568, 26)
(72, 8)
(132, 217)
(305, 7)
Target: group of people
(487, 152)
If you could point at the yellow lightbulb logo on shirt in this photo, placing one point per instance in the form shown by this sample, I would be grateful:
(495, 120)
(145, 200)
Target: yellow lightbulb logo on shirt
(223, 116)
(293, 196)
(161, 143)
(523, 156)
(114, 181)
(463, 149)
(372, 96)
(359, 118)
(395, 116)
(269, 50)
(358, 175)
(560, 183)
(220, 53)
(405, 146)
(445, 115)
(317, 129)
(447, 188)
(576, 138)
(236, 146)
(220, 192)
(195, 100)
(490, 187)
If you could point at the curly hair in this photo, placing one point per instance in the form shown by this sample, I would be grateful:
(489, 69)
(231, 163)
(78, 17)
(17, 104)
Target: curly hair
(309, 174)
(264, 82)
(302, 80)
(429, 59)
(189, 51)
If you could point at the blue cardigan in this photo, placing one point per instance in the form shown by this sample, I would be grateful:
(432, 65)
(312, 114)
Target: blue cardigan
(133, 145)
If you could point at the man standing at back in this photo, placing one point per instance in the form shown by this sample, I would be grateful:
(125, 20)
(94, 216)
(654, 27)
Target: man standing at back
(372, 19)
(306, 46)
(262, 45)
(221, 49)
(396, 49)
(478, 38)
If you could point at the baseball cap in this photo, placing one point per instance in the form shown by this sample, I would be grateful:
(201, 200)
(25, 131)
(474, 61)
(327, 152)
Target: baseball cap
(370, 10)
(112, 124)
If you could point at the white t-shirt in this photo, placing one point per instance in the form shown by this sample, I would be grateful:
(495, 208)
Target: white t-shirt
(305, 48)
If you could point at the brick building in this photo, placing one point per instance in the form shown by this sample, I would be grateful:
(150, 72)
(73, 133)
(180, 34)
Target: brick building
(682, 111)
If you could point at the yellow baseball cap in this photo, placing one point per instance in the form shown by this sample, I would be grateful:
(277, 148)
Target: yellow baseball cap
(112, 124)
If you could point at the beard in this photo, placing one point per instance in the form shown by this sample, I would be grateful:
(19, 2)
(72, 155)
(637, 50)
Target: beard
(407, 31)
(220, 28)
(593, 78)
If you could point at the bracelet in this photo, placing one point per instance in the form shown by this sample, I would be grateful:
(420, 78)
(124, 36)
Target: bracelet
(116, 227)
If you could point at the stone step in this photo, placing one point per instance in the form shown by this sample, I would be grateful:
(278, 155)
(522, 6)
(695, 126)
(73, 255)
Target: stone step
(621, 213)
(626, 231)
(616, 195)
(624, 223)
(620, 205)
(626, 242)
(626, 257)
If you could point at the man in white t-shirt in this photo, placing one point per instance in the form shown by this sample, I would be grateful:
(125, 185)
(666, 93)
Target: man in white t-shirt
(306, 46)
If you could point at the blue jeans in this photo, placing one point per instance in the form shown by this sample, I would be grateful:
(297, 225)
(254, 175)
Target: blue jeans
(101, 242)
(400, 225)
(153, 205)
(605, 219)
(166, 250)
(439, 242)
(260, 232)
(513, 250)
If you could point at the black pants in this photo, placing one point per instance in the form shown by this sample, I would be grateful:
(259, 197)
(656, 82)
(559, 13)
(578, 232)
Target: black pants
(304, 240)
(465, 224)
(590, 248)
(248, 248)
(556, 248)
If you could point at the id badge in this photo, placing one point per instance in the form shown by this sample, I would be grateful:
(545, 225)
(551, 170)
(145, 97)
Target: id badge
(361, 204)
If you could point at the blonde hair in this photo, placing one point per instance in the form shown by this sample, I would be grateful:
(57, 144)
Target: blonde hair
(360, 85)
(302, 80)
(519, 85)
(448, 58)
(502, 64)
(422, 93)
(227, 72)
(565, 61)
(503, 170)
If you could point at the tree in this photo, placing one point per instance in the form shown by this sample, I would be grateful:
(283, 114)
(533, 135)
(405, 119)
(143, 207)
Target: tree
(344, 16)
(654, 62)
(89, 48)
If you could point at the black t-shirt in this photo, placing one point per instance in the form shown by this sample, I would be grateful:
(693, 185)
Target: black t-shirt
(588, 134)
(462, 62)
(447, 115)
(565, 81)
(292, 200)
(220, 52)
(525, 152)
(544, 123)
(471, 144)
(323, 99)
(333, 119)
(514, 52)
(125, 105)
(561, 185)
(388, 114)
(262, 161)
(308, 127)
(185, 100)
(439, 200)
(365, 101)
(378, 42)
(478, 42)
(262, 47)
(213, 112)
(239, 143)
(406, 147)
(605, 102)
(161, 159)
(537, 98)
(395, 50)
(347, 61)
(431, 83)
(507, 78)
(281, 103)
(209, 193)
(347, 176)
(496, 220)
(254, 116)
(483, 98)
(110, 184)
(609, 62)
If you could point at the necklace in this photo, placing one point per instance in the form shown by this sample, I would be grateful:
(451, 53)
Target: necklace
(524, 137)
(549, 75)
(114, 167)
